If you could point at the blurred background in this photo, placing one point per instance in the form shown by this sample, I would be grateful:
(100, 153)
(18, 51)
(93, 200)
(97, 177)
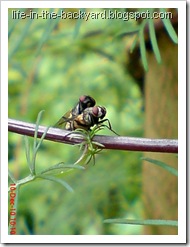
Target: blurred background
(52, 62)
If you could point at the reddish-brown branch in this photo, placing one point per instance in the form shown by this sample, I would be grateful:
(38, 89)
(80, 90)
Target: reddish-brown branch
(109, 142)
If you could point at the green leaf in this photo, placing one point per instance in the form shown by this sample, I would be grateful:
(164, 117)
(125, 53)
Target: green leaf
(143, 222)
(50, 26)
(62, 166)
(12, 27)
(11, 176)
(169, 28)
(163, 165)
(35, 147)
(98, 144)
(57, 180)
(134, 44)
(36, 129)
(154, 40)
(78, 25)
(20, 38)
(129, 31)
(42, 137)
(143, 48)
(27, 150)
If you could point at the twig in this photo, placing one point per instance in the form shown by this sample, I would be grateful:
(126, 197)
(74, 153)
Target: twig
(109, 142)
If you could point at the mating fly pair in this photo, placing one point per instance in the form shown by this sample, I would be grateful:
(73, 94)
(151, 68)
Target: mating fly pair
(84, 116)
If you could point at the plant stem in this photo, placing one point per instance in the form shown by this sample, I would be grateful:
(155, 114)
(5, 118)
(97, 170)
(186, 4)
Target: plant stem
(109, 142)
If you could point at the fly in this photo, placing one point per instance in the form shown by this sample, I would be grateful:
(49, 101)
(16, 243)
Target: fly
(84, 102)
(88, 118)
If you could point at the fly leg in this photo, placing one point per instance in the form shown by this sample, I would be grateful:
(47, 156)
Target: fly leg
(109, 125)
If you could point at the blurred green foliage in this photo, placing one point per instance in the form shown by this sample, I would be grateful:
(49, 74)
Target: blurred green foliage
(52, 63)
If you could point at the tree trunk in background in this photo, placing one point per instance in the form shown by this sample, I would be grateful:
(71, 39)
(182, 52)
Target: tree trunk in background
(160, 188)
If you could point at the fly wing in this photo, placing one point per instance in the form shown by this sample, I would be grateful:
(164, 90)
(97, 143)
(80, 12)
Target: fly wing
(63, 120)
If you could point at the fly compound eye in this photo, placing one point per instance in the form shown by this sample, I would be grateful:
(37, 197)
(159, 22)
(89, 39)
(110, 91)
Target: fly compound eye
(102, 111)
(95, 111)
(82, 98)
(87, 101)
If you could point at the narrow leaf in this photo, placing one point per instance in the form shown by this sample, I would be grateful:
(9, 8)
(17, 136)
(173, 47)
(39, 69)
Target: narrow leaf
(82, 155)
(27, 150)
(98, 144)
(62, 166)
(22, 35)
(50, 26)
(77, 26)
(163, 165)
(35, 142)
(154, 40)
(128, 32)
(42, 138)
(11, 176)
(143, 222)
(169, 28)
(88, 159)
(57, 180)
(143, 48)
(134, 44)
(36, 129)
